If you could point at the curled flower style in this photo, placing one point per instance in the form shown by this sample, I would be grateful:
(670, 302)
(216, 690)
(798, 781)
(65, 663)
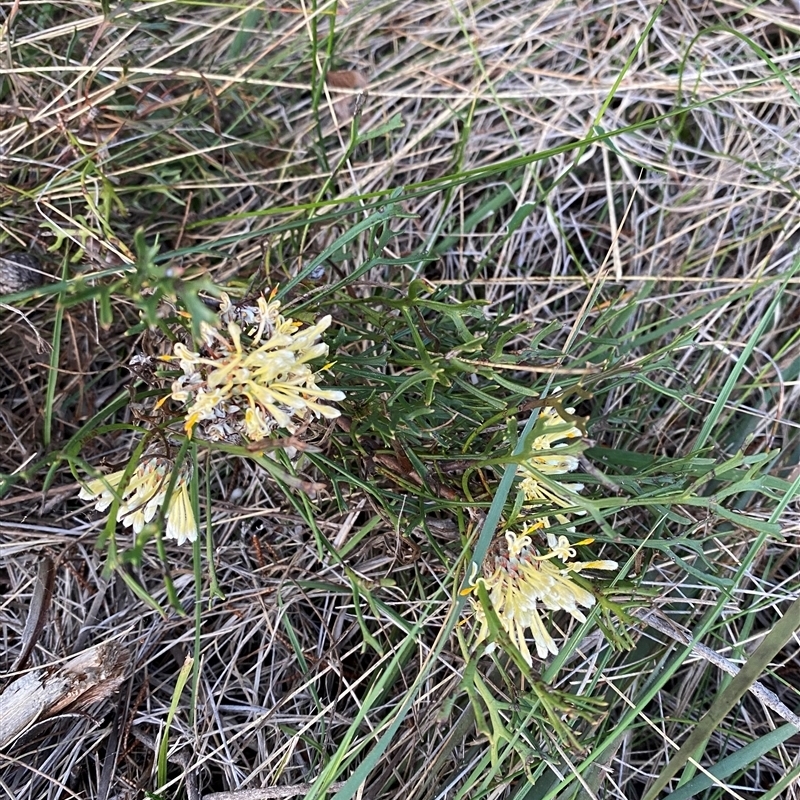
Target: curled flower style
(253, 376)
(520, 582)
(144, 495)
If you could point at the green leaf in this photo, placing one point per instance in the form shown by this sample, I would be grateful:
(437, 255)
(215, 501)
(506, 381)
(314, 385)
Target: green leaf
(392, 124)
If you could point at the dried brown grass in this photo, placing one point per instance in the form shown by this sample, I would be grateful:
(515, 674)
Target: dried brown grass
(214, 153)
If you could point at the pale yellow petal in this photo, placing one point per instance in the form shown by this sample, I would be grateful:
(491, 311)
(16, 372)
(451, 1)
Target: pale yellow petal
(181, 524)
(102, 488)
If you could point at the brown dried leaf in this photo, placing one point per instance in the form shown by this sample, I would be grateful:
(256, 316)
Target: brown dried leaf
(352, 82)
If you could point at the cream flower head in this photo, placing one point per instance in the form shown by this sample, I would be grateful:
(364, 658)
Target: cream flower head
(253, 376)
(521, 582)
(144, 495)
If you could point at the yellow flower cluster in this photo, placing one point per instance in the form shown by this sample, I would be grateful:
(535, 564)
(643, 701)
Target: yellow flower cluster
(250, 376)
(253, 376)
(521, 581)
(547, 457)
(144, 494)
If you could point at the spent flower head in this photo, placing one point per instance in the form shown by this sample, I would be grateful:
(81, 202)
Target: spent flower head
(521, 583)
(145, 493)
(252, 374)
